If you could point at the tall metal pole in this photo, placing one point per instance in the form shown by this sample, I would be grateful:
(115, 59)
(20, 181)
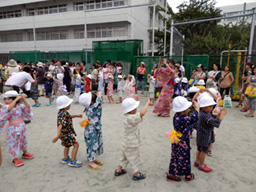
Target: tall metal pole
(153, 29)
(85, 31)
(182, 51)
(251, 34)
(34, 32)
(165, 22)
(171, 38)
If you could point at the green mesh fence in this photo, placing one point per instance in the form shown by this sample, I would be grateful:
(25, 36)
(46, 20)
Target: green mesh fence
(26, 57)
(118, 51)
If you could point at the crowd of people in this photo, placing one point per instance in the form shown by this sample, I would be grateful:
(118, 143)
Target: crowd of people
(196, 104)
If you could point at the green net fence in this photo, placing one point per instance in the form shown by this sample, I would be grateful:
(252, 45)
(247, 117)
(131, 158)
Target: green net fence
(28, 56)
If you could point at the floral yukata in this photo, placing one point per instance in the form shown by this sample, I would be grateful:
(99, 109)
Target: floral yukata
(13, 122)
(93, 133)
(129, 87)
(180, 157)
(163, 105)
(67, 134)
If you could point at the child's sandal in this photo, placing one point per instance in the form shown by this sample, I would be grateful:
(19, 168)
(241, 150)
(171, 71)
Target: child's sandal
(189, 178)
(140, 177)
(98, 162)
(173, 178)
(120, 173)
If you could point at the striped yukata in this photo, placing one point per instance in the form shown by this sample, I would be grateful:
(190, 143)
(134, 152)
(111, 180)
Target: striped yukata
(205, 127)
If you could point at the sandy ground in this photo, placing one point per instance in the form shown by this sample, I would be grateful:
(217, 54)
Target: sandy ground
(233, 160)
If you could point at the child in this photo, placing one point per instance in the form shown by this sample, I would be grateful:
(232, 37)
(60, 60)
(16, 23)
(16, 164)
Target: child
(66, 132)
(14, 112)
(205, 126)
(129, 86)
(78, 87)
(184, 87)
(59, 82)
(191, 92)
(151, 81)
(120, 87)
(110, 88)
(131, 142)
(48, 88)
(87, 86)
(201, 84)
(183, 124)
(92, 132)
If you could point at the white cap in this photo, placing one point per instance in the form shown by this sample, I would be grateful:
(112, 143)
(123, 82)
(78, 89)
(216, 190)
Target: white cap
(201, 82)
(214, 91)
(10, 94)
(184, 80)
(129, 104)
(119, 76)
(199, 66)
(85, 99)
(40, 64)
(48, 75)
(206, 101)
(177, 80)
(63, 101)
(89, 76)
(180, 104)
(111, 77)
(193, 90)
(60, 76)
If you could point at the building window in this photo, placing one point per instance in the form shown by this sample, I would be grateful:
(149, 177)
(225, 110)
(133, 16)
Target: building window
(53, 9)
(98, 4)
(79, 6)
(11, 37)
(79, 33)
(119, 31)
(47, 10)
(62, 8)
(91, 33)
(90, 5)
(31, 12)
(10, 14)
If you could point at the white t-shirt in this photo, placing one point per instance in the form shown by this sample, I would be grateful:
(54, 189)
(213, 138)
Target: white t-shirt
(19, 79)
(182, 69)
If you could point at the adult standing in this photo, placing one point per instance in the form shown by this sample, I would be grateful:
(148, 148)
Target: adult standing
(251, 100)
(181, 68)
(166, 77)
(67, 75)
(213, 76)
(3, 78)
(12, 67)
(40, 78)
(94, 74)
(106, 74)
(141, 71)
(226, 79)
(199, 74)
(52, 66)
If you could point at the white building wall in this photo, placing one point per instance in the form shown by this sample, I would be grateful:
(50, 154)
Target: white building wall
(136, 20)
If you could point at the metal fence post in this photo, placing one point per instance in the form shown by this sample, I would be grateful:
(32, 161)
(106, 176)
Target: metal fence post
(251, 34)
(171, 38)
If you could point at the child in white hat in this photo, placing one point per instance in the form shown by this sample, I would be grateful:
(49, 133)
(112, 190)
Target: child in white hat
(93, 132)
(15, 112)
(66, 132)
(151, 90)
(110, 89)
(60, 87)
(131, 142)
(183, 127)
(205, 135)
(120, 87)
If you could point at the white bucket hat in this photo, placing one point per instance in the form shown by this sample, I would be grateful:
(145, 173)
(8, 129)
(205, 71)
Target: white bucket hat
(120, 77)
(10, 94)
(129, 104)
(201, 82)
(206, 101)
(180, 104)
(60, 76)
(177, 80)
(12, 63)
(111, 77)
(214, 91)
(63, 101)
(85, 99)
(89, 76)
(40, 64)
(193, 90)
(184, 80)
(49, 75)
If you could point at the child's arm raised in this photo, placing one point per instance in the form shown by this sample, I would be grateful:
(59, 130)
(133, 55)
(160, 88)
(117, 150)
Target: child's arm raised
(222, 113)
(22, 98)
(214, 96)
(196, 95)
(10, 107)
(58, 134)
(145, 108)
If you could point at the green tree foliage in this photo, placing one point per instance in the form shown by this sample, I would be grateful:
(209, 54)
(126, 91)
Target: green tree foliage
(207, 37)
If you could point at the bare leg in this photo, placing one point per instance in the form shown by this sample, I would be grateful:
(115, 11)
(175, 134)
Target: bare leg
(210, 148)
(66, 151)
(197, 156)
(119, 169)
(201, 159)
(74, 151)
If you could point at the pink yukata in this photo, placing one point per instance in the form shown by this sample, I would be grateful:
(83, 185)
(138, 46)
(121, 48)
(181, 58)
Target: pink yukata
(13, 123)
(129, 87)
(163, 105)
(110, 91)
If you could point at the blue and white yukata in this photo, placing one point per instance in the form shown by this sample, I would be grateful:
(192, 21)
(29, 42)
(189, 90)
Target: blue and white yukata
(93, 133)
